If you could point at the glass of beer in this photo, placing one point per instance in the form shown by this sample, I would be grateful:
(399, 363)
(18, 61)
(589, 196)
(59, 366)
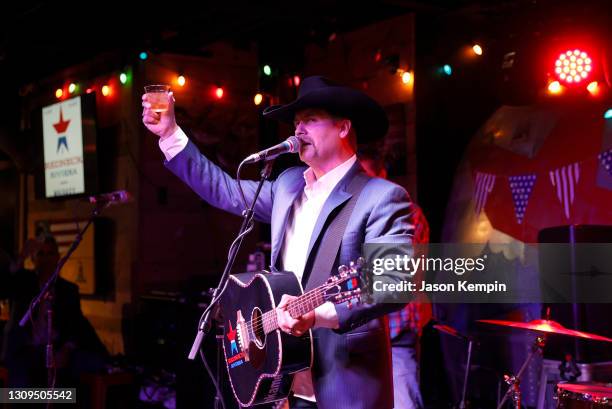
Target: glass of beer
(157, 96)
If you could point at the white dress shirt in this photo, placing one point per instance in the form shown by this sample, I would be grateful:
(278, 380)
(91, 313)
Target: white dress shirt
(300, 225)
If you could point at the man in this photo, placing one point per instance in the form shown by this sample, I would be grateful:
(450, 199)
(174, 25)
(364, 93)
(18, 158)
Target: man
(76, 345)
(352, 361)
(404, 325)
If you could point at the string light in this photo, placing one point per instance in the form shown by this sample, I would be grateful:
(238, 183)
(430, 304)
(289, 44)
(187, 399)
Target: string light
(267, 70)
(378, 56)
(296, 80)
(406, 77)
(123, 78)
(447, 69)
(219, 92)
(143, 55)
(258, 98)
(106, 90)
(72, 88)
(477, 49)
(180, 80)
(608, 114)
(59, 93)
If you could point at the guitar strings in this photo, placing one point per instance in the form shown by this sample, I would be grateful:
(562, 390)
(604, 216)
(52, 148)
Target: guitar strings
(269, 317)
(302, 301)
(299, 303)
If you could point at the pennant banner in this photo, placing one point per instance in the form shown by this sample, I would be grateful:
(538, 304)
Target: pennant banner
(484, 185)
(564, 179)
(606, 160)
(521, 187)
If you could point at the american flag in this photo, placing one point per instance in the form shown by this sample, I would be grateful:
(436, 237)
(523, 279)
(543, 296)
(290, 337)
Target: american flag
(484, 185)
(521, 187)
(606, 160)
(565, 180)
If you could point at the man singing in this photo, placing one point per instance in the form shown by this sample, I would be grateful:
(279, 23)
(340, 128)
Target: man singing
(352, 362)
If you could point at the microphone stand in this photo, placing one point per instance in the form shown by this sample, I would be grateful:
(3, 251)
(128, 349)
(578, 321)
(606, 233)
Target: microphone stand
(248, 215)
(463, 404)
(48, 291)
(514, 382)
(205, 321)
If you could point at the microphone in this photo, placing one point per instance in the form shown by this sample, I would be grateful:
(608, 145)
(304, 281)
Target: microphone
(290, 145)
(120, 196)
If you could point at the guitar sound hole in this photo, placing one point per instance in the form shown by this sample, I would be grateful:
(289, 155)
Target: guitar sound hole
(258, 329)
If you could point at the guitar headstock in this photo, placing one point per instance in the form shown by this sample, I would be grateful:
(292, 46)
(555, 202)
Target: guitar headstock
(346, 285)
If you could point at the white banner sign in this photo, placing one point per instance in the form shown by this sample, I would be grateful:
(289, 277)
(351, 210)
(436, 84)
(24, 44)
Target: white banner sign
(63, 148)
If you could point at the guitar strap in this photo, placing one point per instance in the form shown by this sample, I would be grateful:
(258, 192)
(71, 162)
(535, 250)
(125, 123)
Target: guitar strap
(329, 245)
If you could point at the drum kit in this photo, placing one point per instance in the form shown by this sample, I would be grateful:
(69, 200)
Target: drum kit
(576, 395)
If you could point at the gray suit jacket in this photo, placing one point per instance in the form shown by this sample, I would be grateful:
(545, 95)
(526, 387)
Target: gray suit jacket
(352, 364)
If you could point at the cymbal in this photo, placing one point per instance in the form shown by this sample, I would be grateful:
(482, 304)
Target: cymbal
(548, 326)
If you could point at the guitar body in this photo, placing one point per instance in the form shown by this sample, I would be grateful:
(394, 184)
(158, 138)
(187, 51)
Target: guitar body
(260, 365)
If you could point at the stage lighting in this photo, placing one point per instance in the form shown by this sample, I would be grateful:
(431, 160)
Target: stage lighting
(219, 92)
(593, 88)
(573, 66)
(554, 87)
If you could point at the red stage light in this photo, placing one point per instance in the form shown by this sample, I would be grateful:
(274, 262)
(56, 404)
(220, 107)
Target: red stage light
(554, 87)
(593, 88)
(573, 66)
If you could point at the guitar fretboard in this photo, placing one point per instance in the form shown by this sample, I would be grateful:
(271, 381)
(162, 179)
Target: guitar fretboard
(297, 307)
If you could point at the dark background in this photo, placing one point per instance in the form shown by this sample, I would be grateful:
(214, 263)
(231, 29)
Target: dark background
(34, 43)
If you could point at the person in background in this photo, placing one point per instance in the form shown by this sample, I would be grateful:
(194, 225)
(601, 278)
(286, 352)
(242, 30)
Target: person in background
(405, 324)
(77, 347)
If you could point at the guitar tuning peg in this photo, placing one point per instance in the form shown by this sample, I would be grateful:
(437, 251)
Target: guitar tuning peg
(342, 269)
(360, 262)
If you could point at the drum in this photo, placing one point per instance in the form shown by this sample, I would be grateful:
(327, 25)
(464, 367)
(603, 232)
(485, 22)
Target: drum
(584, 395)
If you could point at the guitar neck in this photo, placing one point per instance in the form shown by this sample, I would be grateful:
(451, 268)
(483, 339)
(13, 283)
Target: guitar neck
(296, 307)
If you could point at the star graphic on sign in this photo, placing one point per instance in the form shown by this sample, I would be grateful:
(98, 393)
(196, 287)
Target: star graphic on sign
(62, 125)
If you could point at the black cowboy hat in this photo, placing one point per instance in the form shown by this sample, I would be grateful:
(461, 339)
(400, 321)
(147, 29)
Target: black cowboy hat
(366, 115)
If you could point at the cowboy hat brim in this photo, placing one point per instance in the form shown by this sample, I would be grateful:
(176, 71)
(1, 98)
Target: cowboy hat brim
(367, 116)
